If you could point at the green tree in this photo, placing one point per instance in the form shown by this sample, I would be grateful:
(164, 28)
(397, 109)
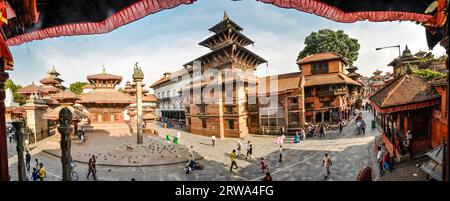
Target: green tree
(18, 98)
(77, 87)
(327, 40)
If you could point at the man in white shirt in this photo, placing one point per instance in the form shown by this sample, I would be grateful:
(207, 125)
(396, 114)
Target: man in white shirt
(358, 127)
(191, 153)
(213, 139)
(326, 163)
(380, 161)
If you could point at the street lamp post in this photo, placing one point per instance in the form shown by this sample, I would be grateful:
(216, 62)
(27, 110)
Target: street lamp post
(397, 46)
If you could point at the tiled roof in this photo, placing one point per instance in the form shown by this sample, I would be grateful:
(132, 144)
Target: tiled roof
(49, 89)
(283, 81)
(104, 76)
(101, 96)
(29, 89)
(64, 95)
(53, 114)
(321, 57)
(48, 80)
(37, 89)
(332, 78)
(160, 81)
(441, 81)
(406, 89)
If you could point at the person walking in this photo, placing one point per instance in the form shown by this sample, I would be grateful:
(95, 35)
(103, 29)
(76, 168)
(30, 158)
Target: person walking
(191, 153)
(233, 160)
(267, 177)
(36, 163)
(249, 150)
(358, 127)
(327, 164)
(26, 144)
(380, 161)
(34, 174)
(281, 153)
(341, 126)
(27, 160)
(239, 148)
(263, 165)
(302, 134)
(408, 142)
(213, 139)
(363, 127)
(92, 167)
(42, 174)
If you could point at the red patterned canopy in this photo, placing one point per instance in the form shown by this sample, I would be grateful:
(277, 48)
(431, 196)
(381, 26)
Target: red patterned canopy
(39, 19)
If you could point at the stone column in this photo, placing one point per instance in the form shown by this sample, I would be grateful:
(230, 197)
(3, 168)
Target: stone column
(18, 125)
(65, 129)
(138, 76)
(323, 117)
(4, 175)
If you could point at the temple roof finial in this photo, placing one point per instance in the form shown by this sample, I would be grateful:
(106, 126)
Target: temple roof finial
(104, 70)
(225, 16)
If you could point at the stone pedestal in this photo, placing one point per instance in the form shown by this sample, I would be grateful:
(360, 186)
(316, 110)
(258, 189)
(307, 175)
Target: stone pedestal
(36, 126)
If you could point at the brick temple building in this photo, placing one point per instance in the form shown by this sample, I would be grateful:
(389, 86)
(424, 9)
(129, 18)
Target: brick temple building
(223, 111)
(329, 92)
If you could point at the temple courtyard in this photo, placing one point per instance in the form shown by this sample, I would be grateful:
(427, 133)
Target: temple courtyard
(350, 153)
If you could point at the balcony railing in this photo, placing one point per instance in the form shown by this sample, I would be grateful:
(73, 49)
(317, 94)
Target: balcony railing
(325, 93)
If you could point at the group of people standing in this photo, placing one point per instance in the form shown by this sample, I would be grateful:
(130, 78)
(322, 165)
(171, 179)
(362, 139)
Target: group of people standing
(360, 125)
(385, 162)
(38, 173)
(236, 154)
(318, 130)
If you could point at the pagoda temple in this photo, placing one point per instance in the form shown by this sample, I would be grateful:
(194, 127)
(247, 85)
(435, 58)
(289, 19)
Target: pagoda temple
(104, 103)
(377, 81)
(51, 84)
(222, 114)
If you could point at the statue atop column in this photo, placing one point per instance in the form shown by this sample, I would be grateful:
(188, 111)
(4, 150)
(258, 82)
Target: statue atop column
(138, 76)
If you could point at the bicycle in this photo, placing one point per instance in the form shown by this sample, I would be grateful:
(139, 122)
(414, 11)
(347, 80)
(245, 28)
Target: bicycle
(73, 173)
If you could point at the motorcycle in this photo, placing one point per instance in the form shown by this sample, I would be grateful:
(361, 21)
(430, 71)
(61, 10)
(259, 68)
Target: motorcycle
(191, 166)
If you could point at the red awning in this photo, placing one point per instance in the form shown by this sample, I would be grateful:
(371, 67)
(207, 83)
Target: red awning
(135, 10)
(348, 11)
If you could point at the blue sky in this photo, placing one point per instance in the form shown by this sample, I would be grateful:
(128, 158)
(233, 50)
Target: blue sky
(166, 40)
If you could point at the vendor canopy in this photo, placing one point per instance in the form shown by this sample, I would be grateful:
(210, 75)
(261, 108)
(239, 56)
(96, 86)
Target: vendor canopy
(52, 18)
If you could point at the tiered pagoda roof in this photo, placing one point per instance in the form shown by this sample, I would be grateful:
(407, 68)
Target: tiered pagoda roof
(228, 46)
(104, 91)
(352, 72)
(104, 80)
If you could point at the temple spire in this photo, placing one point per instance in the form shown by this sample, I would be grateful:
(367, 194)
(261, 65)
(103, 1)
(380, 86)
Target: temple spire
(225, 16)
(104, 70)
